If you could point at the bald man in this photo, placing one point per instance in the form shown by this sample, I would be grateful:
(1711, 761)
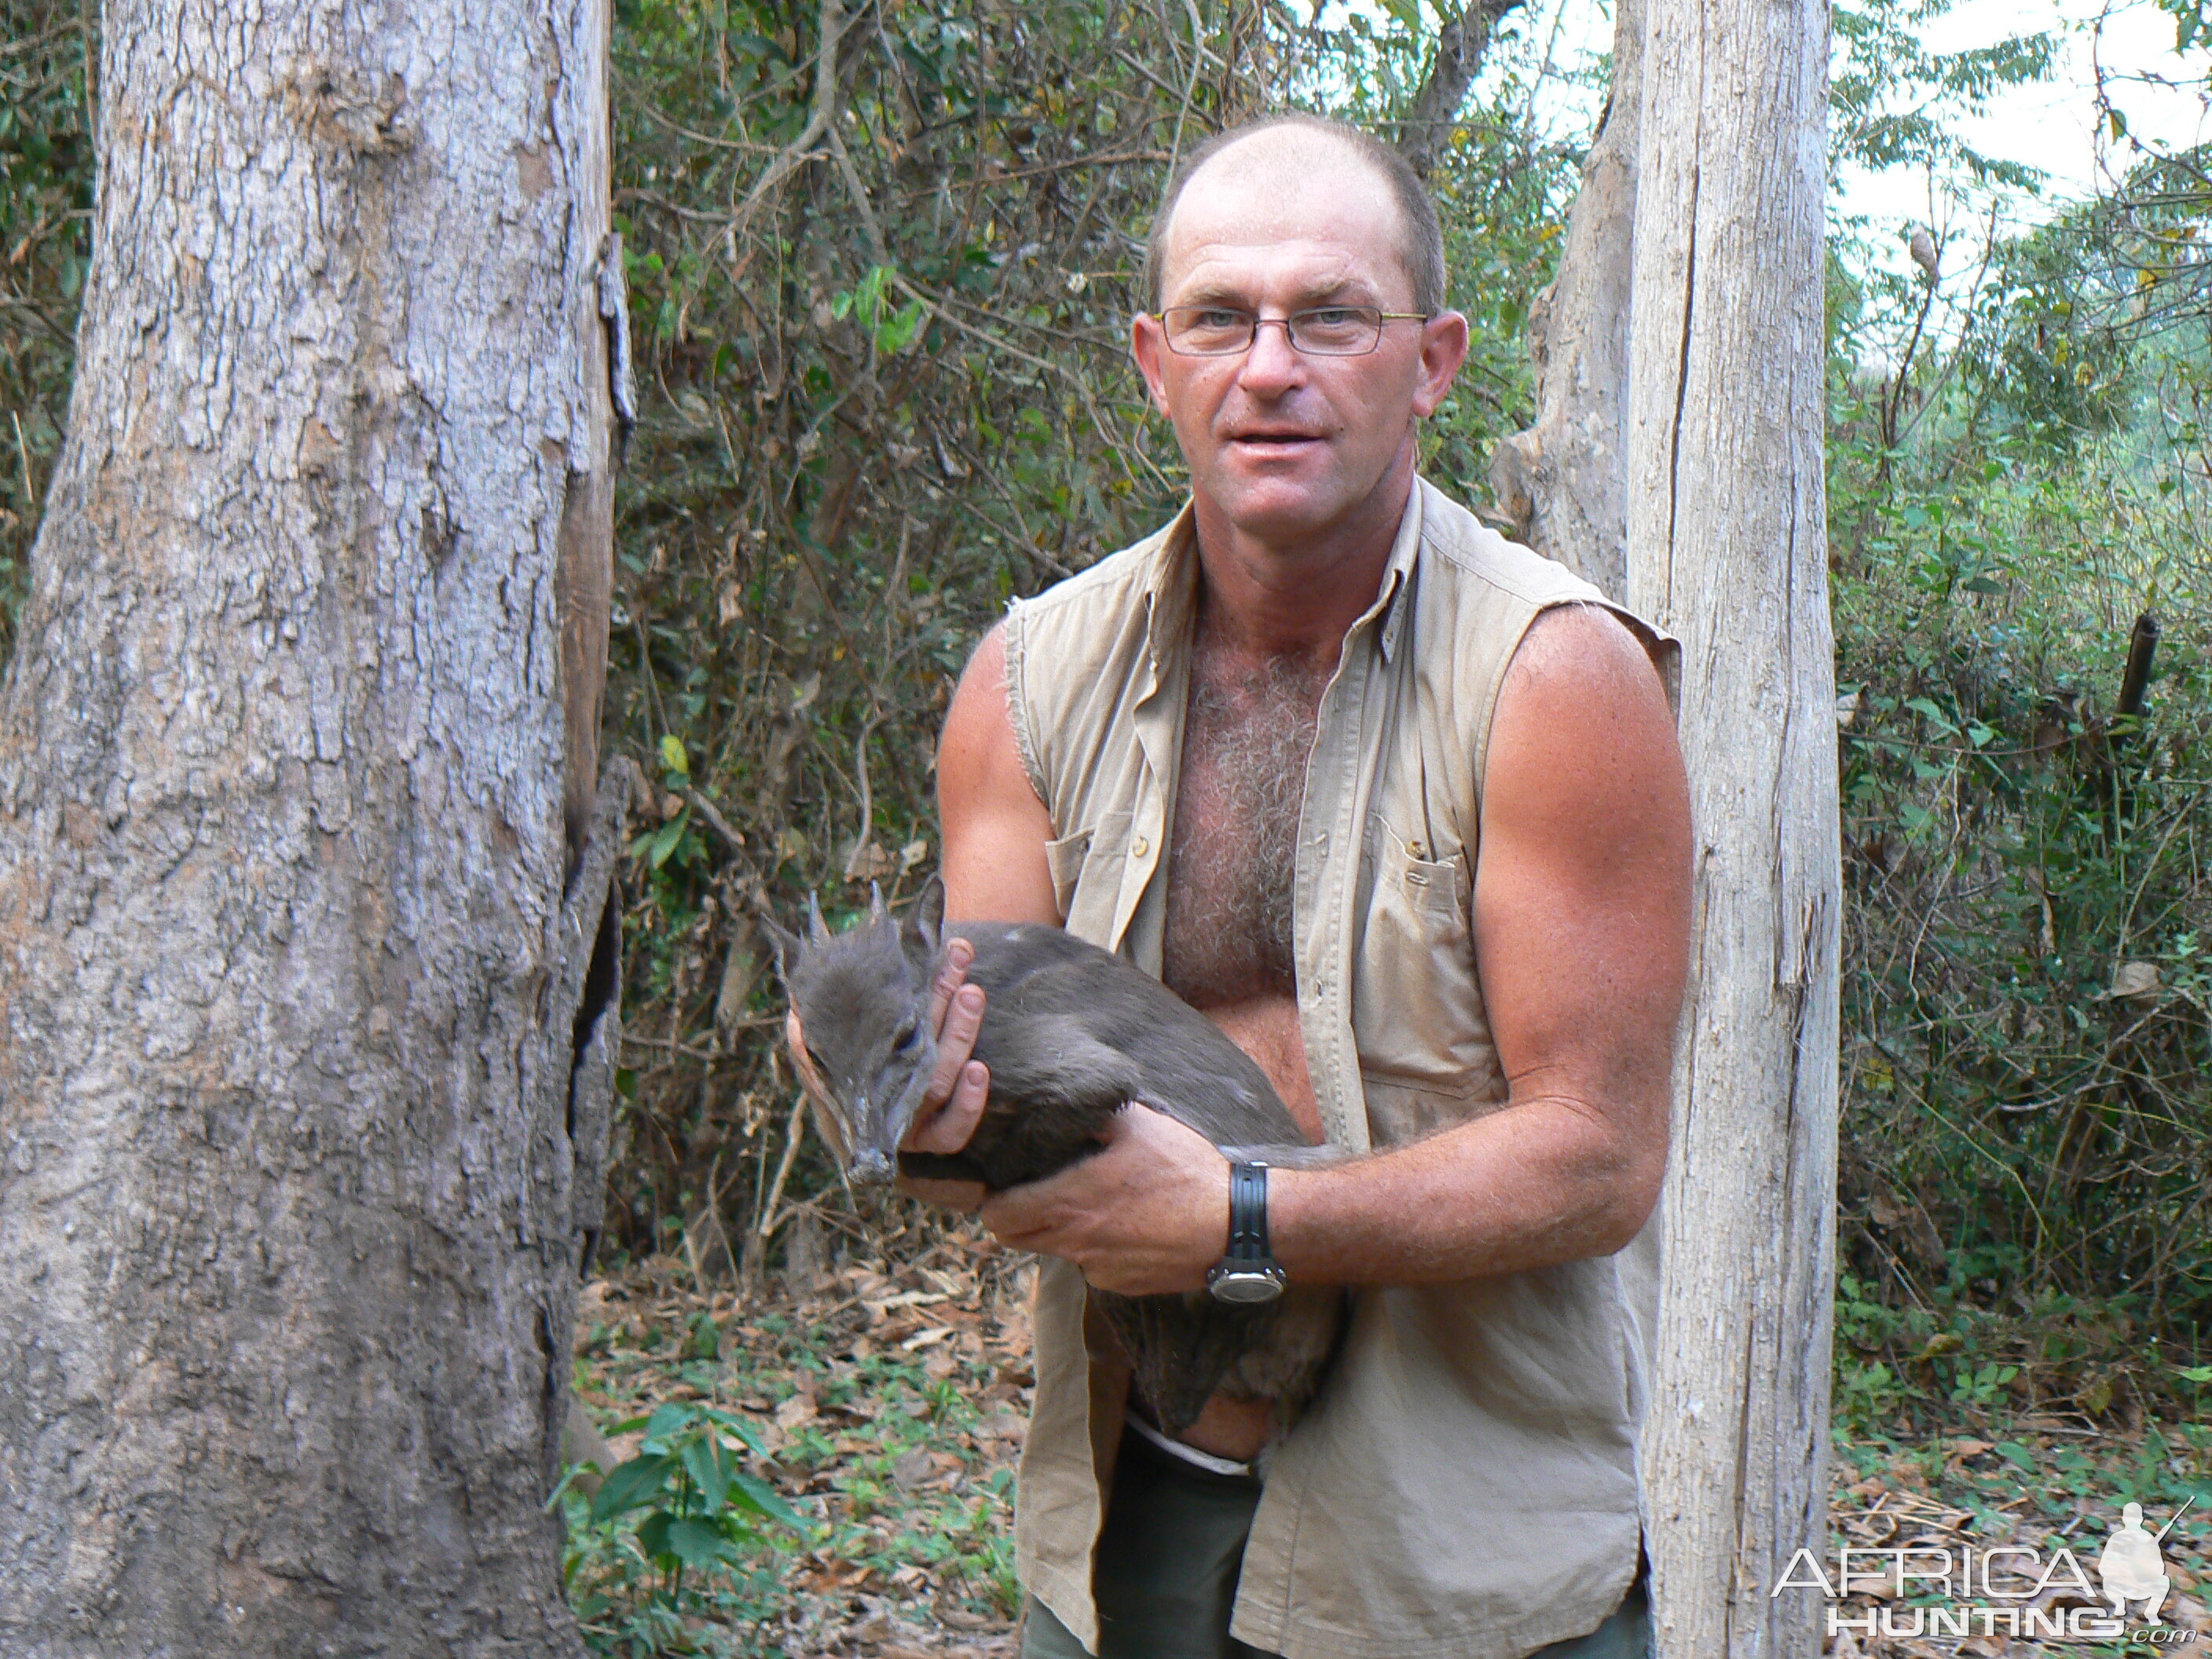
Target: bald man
(1398, 804)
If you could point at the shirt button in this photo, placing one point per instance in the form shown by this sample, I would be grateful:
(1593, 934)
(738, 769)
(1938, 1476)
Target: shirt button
(1141, 846)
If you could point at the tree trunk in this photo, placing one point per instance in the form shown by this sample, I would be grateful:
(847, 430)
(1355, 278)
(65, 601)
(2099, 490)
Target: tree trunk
(1563, 482)
(309, 980)
(1726, 516)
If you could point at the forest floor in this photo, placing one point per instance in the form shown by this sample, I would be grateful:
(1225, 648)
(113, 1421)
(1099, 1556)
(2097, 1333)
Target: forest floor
(891, 1400)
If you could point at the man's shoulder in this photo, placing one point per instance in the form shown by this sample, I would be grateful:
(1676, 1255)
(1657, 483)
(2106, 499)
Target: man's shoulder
(1468, 553)
(1119, 581)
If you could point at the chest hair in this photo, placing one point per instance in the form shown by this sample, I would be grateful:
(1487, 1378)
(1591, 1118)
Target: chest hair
(1247, 734)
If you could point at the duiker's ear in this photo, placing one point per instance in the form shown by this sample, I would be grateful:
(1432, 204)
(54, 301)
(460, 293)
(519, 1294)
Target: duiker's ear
(817, 930)
(790, 949)
(925, 923)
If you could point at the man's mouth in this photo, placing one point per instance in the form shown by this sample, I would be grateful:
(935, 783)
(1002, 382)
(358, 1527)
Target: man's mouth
(1283, 440)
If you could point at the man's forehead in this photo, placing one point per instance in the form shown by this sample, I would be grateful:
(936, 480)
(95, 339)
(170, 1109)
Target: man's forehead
(1294, 268)
(1305, 204)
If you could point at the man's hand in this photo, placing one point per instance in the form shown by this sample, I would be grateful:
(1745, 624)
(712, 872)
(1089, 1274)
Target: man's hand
(1147, 1215)
(953, 1103)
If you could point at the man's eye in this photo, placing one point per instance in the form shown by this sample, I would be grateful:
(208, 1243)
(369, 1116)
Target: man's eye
(1214, 318)
(1332, 317)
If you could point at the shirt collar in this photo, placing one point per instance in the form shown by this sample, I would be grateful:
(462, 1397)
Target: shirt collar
(1172, 594)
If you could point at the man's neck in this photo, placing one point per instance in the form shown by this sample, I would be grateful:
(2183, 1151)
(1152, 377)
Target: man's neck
(1298, 597)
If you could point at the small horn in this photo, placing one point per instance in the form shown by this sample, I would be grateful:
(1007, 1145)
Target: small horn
(876, 910)
(817, 929)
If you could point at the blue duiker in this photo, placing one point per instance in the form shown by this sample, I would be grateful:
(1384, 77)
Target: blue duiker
(1071, 1034)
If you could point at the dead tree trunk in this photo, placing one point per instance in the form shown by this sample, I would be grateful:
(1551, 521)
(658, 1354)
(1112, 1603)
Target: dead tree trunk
(1562, 482)
(1727, 549)
(309, 977)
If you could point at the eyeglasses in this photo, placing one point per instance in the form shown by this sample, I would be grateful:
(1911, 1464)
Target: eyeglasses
(1322, 331)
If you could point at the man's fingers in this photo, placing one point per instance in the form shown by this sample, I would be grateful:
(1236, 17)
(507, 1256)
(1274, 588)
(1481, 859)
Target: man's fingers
(950, 975)
(947, 1128)
(956, 1041)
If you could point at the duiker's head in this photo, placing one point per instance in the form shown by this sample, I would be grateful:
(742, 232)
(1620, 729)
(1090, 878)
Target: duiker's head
(863, 999)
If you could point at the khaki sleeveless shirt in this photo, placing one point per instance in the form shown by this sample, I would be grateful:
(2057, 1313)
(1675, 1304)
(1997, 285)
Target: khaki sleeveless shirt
(1465, 1483)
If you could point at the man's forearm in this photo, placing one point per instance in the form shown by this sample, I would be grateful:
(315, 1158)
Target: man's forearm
(1537, 1183)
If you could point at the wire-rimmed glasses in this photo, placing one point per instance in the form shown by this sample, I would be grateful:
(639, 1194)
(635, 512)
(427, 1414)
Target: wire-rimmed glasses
(1319, 331)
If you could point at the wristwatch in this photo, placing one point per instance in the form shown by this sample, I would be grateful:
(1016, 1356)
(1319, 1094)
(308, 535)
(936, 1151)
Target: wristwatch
(1248, 1273)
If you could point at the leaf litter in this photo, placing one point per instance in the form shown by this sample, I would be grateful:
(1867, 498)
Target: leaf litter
(891, 1397)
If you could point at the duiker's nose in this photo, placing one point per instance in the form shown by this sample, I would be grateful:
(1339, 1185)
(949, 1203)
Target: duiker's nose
(873, 1167)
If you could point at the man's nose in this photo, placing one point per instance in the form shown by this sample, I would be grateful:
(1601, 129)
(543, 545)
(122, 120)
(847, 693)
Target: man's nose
(1271, 364)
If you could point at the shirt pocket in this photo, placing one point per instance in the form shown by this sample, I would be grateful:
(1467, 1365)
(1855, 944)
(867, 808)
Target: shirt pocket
(1416, 1004)
(1086, 868)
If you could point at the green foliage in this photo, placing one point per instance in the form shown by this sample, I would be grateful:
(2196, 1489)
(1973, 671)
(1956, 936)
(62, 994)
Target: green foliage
(672, 1534)
(2028, 1110)
(45, 198)
(884, 397)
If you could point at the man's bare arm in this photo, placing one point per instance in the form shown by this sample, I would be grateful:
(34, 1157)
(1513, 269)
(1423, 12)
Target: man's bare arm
(996, 827)
(1582, 915)
(1582, 922)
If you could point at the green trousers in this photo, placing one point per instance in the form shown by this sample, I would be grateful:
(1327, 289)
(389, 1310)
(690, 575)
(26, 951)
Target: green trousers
(1166, 1573)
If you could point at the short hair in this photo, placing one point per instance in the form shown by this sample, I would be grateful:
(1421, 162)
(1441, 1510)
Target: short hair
(1424, 248)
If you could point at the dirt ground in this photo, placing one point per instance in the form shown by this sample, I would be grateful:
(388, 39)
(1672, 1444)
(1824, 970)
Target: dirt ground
(892, 1398)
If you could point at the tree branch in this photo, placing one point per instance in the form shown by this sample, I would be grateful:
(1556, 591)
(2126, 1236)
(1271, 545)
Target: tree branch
(1460, 51)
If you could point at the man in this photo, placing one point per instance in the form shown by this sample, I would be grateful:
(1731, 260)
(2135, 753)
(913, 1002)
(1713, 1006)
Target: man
(1399, 805)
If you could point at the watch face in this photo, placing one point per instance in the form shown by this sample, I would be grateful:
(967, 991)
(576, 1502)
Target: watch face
(1245, 1283)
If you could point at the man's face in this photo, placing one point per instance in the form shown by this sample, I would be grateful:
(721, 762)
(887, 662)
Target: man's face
(1284, 444)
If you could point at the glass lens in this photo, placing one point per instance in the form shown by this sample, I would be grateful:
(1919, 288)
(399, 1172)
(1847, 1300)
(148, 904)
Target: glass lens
(1337, 331)
(1208, 330)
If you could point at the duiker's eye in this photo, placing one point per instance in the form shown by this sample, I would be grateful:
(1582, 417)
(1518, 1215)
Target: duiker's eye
(907, 1034)
(815, 1061)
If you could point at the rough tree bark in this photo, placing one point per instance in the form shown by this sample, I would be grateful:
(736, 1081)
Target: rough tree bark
(1726, 549)
(1562, 483)
(308, 976)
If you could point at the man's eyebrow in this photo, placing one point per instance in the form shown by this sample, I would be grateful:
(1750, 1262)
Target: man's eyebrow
(1349, 290)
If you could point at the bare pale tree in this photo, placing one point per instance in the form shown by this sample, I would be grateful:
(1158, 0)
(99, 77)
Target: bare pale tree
(1561, 484)
(1726, 549)
(306, 957)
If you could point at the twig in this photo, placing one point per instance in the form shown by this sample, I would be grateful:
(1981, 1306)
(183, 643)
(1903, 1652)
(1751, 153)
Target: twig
(865, 837)
(831, 30)
(765, 1228)
(715, 821)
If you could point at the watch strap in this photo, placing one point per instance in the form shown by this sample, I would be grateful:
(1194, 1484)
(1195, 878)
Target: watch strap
(1248, 1215)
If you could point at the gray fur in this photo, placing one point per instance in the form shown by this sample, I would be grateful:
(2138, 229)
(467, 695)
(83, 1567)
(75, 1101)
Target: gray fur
(1071, 1034)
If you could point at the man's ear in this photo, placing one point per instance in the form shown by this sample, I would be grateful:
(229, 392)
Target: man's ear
(1443, 349)
(925, 923)
(1147, 340)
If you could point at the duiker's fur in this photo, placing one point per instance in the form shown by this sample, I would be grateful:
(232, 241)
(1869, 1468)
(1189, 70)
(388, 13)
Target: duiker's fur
(1071, 1034)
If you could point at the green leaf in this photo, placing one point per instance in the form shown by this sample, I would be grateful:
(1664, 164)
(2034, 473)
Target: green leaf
(698, 1545)
(669, 1420)
(674, 756)
(710, 1469)
(632, 1486)
(662, 841)
(739, 1426)
(749, 1492)
(2118, 122)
